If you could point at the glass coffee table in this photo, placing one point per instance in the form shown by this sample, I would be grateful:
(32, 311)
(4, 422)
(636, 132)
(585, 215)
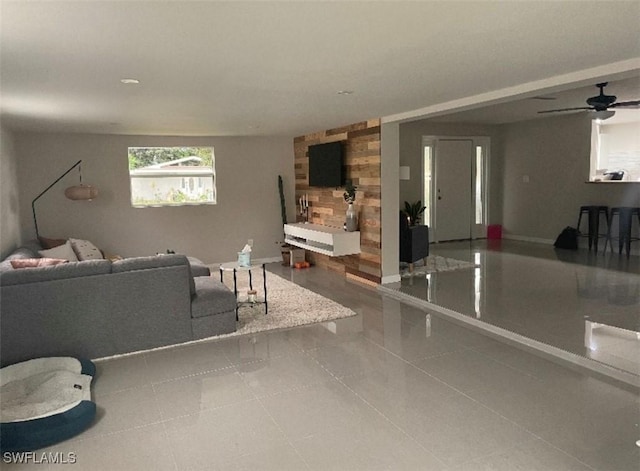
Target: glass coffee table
(235, 268)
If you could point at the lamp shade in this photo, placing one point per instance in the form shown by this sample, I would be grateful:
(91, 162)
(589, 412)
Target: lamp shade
(81, 192)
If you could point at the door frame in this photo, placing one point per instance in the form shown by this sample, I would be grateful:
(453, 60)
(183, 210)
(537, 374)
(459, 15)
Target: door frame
(477, 230)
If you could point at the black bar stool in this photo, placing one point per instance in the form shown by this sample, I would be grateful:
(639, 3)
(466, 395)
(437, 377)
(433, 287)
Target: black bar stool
(593, 213)
(625, 222)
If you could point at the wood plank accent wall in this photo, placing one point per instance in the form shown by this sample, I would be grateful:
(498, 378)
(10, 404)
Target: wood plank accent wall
(327, 206)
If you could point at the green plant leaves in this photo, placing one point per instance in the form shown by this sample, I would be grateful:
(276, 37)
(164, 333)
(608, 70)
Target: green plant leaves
(414, 211)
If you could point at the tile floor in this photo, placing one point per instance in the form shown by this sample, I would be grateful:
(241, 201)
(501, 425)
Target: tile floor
(394, 388)
(581, 302)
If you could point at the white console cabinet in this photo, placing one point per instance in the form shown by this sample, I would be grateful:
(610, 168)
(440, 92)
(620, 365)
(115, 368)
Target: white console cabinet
(326, 240)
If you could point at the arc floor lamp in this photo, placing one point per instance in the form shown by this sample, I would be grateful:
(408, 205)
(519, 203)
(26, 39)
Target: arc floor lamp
(79, 192)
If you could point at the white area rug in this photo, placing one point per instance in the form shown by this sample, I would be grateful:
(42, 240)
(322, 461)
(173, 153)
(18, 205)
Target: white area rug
(289, 305)
(436, 263)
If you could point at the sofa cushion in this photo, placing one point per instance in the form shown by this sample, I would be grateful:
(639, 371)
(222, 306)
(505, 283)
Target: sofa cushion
(146, 263)
(55, 272)
(22, 252)
(63, 251)
(36, 262)
(85, 250)
(211, 297)
(48, 243)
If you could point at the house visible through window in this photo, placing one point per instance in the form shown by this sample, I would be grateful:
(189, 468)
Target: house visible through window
(172, 176)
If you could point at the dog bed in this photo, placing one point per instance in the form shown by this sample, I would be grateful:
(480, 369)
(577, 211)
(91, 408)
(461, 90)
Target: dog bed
(44, 401)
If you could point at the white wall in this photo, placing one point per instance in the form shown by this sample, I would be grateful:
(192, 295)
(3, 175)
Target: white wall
(411, 134)
(620, 149)
(9, 212)
(390, 257)
(554, 154)
(248, 203)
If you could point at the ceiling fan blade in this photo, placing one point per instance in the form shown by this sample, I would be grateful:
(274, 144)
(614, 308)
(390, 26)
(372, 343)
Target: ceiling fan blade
(568, 109)
(634, 103)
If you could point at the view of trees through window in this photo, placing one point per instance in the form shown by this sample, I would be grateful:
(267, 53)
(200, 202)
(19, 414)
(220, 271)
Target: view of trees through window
(172, 176)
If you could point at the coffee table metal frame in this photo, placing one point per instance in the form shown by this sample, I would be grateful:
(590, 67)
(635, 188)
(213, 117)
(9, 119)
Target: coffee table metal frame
(233, 266)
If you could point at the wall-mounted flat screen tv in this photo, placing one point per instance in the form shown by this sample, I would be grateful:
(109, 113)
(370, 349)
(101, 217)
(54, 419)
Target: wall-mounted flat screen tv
(326, 165)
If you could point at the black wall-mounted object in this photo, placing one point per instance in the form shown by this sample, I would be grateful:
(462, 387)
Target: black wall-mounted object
(33, 203)
(326, 165)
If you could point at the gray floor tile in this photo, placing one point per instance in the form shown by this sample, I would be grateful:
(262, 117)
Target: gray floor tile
(390, 388)
(211, 438)
(186, 396)
(282, 374)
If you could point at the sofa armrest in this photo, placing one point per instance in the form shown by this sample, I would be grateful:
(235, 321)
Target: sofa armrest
(198, 268)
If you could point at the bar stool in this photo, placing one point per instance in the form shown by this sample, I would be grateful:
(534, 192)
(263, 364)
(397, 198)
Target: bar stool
(593, 213)
(625, 222)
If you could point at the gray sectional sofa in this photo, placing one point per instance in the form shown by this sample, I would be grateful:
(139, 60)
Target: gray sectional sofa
(99, 308)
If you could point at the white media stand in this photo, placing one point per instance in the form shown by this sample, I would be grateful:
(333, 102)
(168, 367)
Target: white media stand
(326, 240)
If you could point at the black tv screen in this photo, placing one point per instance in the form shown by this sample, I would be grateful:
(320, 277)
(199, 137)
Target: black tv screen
(325, 165)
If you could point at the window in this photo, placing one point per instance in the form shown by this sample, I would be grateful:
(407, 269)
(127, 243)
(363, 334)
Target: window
(479, 185)
(615, 148)
(426, 183)
(172, 176)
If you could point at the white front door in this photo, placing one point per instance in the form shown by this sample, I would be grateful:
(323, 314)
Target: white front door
(453, 189)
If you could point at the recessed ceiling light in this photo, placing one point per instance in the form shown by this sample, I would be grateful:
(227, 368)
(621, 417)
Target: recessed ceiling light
(345, 92)
(130, 81)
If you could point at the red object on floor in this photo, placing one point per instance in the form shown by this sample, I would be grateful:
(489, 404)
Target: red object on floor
(494, 231)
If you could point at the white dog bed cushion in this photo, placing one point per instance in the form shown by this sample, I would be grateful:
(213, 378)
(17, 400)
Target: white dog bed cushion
(44, 401)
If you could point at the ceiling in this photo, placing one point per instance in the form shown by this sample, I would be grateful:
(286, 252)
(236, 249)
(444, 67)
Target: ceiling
(524, 109)
(275, 68)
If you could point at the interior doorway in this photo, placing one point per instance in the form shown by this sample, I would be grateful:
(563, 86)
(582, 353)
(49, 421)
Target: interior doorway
(454, 186)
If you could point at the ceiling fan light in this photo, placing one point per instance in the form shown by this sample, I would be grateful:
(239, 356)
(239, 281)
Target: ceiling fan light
(81, 192)
(602, 114)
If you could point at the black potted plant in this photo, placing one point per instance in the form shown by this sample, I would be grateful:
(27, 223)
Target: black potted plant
(414, 211)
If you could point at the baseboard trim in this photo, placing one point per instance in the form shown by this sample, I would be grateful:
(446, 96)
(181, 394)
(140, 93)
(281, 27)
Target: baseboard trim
(535, 347)
(390, 279)
(537, 240)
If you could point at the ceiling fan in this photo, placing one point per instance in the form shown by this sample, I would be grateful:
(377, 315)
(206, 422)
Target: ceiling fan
(600, 104)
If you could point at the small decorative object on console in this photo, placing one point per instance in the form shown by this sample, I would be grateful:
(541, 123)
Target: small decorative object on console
(351, 223)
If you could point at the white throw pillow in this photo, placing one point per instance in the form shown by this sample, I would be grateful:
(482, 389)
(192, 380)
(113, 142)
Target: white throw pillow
(85, 250)
(64, 252)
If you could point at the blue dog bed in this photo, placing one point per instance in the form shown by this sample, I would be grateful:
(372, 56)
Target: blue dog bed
(44, 401)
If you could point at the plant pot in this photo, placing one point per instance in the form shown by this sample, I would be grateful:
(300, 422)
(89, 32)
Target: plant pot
(286, 256)
(351, 223)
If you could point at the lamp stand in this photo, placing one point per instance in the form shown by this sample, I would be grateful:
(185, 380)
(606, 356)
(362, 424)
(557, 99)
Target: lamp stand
(33, 203)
